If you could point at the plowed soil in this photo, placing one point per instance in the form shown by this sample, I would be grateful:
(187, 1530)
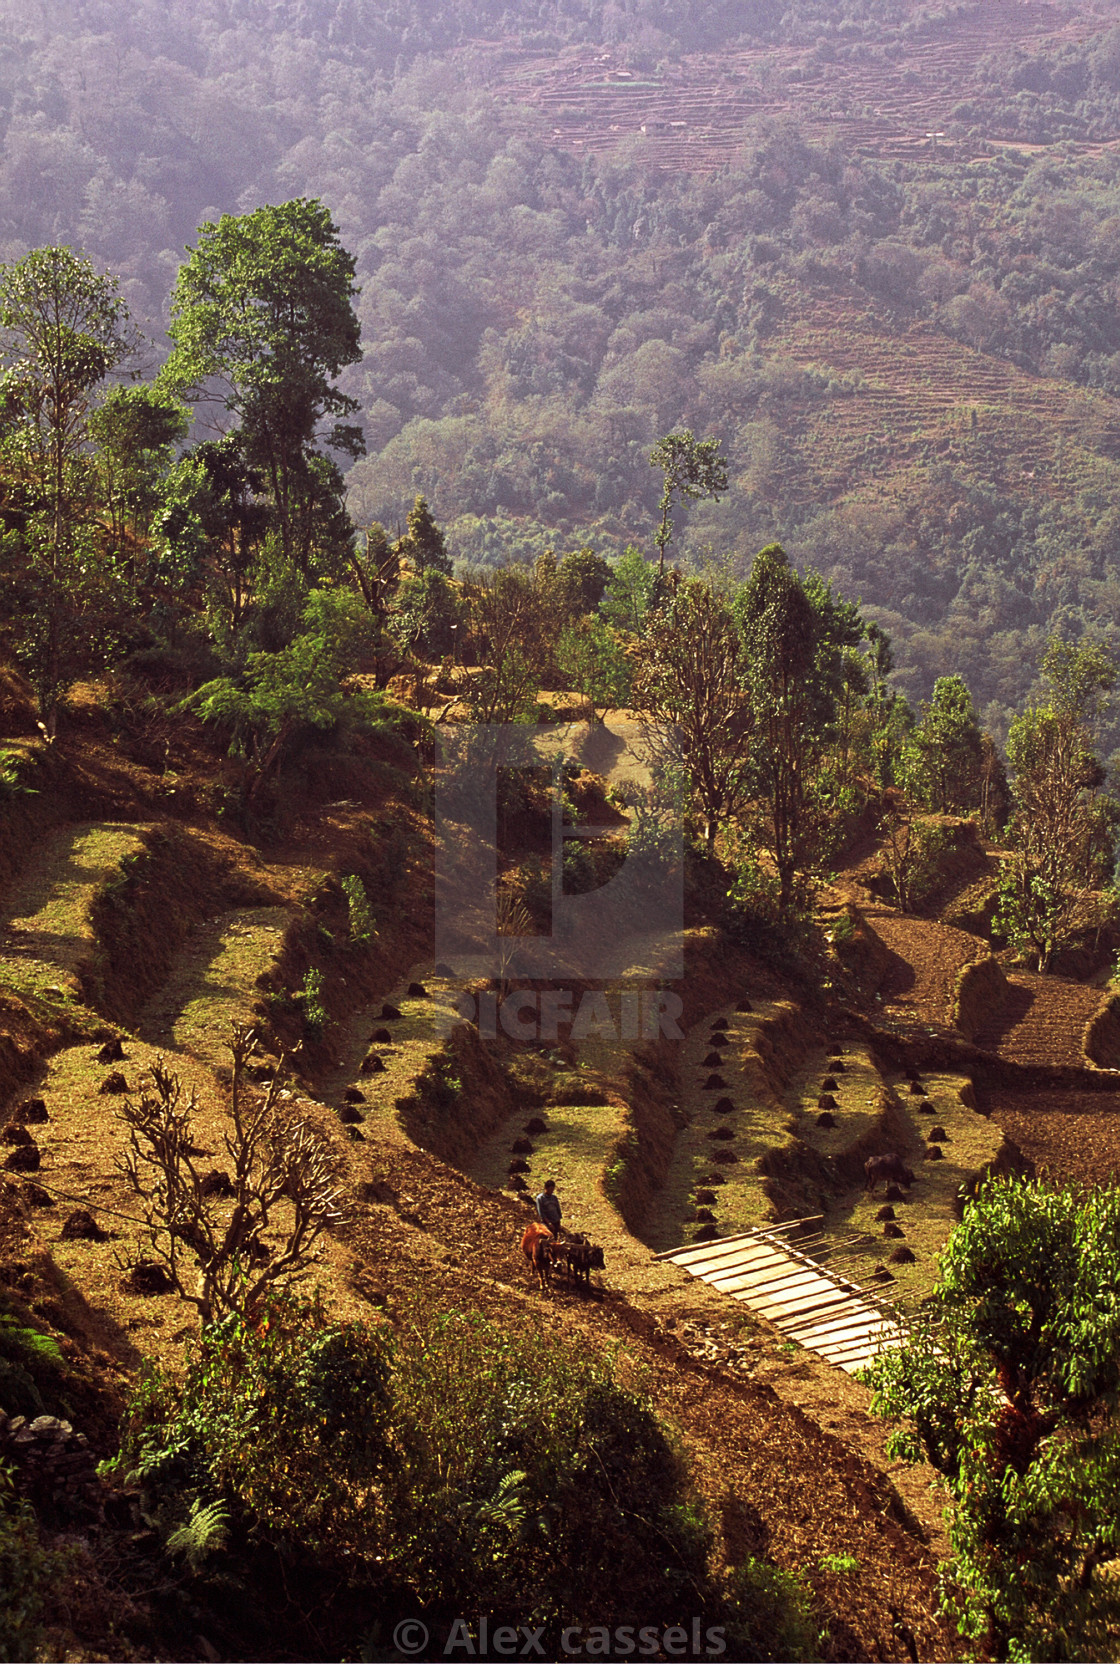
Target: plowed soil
(1070, 1137)
(1044, 1020)
(925, 960)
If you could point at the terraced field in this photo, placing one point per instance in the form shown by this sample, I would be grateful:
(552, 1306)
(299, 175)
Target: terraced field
(696, 115)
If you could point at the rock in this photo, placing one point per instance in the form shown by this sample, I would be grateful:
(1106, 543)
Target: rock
(722, 1133)
(37, 1196)
(881, 1274)
(720, 1025)
(706, 1233)
(827, 1119)
(725, 1157)
(353, 1095)
(893, 1230)
(112, 1051)
(114, 1082)
(356, 1135)
(372, 1065)
(719, 1041)
(828, 1084)
(517, 1183)
(714, 1083)
(536, 1126)
(712, 1061)
(935, 1153)
(81, 1226)
(16, 1133)
(389, 1012)
(723, 1106)
(917, 1090)
(827, 1101)
(704, 1196)
(376, 1190)
(705, 1216)
(32, 1112)
(443, 969)
(911, 1073)
(902, 1256)
(350, 1115)
(381, 1037)
(744, 1005)
(522, 1147)
(885, 1213)
(147, 1277)
(25, 1158)
(926, 1108)
(715, 1178)
(217, 1183)
(417, 991)
(938, 1135)
(836, 1066)
(894, 1194)
(519, 1165)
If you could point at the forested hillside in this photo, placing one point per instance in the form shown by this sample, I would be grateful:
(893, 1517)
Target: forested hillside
(911, 354)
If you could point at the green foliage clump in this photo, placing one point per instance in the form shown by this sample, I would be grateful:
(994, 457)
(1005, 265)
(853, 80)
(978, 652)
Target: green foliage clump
(29, 1574)
(1008, 1385)
(363, 925)
(310, 997)
(446, 1466)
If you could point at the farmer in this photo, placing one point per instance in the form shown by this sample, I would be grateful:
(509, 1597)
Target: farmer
(548, 1207)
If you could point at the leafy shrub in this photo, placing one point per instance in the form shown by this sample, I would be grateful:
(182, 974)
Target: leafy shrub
(310, 996)
(363, 925)
(454, 1467)
(27, 1573)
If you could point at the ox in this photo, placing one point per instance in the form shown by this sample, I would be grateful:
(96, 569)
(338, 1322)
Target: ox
(536, 1245)
(891, 1169)
(581, 1257)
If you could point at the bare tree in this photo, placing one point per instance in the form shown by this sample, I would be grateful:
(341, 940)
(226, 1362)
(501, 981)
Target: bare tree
(282, 1195)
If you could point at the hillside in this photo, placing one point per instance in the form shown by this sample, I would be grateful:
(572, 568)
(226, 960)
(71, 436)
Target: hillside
(908, 346)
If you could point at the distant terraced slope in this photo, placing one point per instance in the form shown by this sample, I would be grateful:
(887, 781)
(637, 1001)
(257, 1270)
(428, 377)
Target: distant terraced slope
(696, 115)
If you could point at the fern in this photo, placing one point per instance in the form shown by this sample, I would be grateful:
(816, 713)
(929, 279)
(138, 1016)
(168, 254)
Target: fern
(507, 1507)
(204, 1532)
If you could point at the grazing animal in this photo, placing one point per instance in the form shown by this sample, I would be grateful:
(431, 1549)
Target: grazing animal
(536, 1245)
(890, 1169)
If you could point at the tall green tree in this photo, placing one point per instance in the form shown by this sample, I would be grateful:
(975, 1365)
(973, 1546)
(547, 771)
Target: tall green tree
(1063, 824)
(692, 468)
(423, 544)
(689, 677)
(792, 703)
(64, 330)
(1008, 1384)
(262, 321)
(946, 749)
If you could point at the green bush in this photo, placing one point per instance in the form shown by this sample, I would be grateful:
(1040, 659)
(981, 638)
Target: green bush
(451, 1468)
(27, 1573)
(363, 925)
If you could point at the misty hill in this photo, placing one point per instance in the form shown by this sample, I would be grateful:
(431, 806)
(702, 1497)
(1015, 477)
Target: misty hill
(910, 348)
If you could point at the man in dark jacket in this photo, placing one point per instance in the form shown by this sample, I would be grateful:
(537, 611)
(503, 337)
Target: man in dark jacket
(548, 1207)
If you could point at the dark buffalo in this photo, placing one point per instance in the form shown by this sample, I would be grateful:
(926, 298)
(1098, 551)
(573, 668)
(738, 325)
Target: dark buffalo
(890, 1169)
